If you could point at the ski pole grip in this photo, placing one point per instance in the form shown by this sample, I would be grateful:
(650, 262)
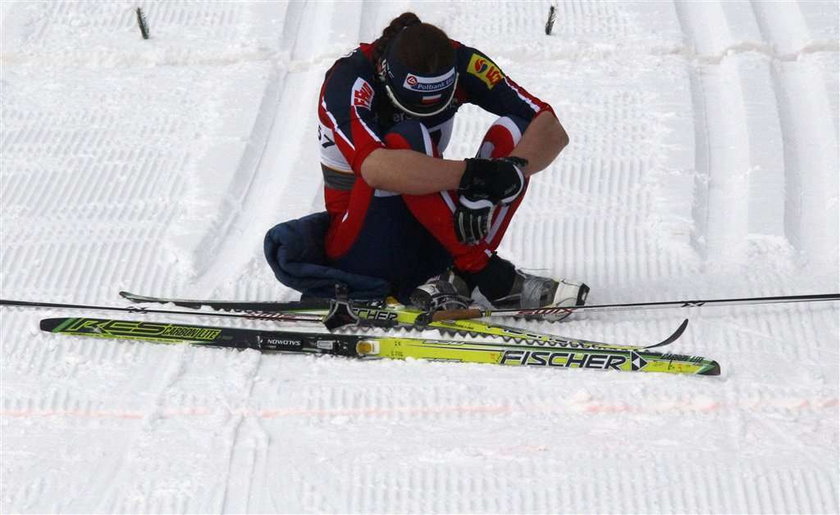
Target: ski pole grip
(456, 314)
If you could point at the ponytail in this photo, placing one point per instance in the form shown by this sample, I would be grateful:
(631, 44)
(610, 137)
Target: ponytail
(402, 21)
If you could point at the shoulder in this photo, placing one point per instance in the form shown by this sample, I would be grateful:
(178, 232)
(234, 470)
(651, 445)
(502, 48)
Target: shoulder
(475, 67)
(350, 80)
(350, 87)
(355, 64)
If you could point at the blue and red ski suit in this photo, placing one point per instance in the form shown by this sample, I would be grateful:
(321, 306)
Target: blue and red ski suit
(406, 239)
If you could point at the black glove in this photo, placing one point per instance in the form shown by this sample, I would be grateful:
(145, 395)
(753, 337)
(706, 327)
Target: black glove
(485, 183)
(496, 180)
(473, 224)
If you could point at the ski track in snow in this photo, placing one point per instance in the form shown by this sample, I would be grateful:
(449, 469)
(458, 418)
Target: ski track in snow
(703, 164)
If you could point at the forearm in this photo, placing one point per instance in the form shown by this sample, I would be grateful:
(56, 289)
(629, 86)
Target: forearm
(542, 142)
(410, 172)
(414, 173)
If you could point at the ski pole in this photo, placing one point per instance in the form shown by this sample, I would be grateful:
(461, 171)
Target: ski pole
(295, 317)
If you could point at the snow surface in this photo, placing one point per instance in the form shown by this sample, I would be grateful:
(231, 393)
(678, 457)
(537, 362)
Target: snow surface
(703, 164)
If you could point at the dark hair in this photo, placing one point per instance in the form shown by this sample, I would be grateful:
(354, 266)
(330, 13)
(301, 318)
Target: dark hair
(423, 47)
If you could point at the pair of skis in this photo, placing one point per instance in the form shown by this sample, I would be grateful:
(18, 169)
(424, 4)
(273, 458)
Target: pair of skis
(466, 341)
(477, 342)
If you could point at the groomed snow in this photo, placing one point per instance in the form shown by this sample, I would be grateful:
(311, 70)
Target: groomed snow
(703, 164)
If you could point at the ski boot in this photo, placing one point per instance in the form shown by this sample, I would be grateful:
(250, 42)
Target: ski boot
(505, 287)
(439, 294)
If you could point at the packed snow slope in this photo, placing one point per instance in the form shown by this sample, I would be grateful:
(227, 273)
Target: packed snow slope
(703, 164)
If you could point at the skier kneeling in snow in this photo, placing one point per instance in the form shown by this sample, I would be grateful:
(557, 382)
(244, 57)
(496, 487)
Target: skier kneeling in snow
(398, 214)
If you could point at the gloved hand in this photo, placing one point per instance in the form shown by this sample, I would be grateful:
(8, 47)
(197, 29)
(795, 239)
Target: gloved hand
(497, 180)
(472, 225)
(485, 183)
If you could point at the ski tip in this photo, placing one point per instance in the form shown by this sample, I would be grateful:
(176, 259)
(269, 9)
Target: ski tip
(712, 370)
(136, 297)
(671, 339)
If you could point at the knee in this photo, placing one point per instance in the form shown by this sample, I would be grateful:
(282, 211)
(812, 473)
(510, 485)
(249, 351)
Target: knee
(413, 135)
(503, 136)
